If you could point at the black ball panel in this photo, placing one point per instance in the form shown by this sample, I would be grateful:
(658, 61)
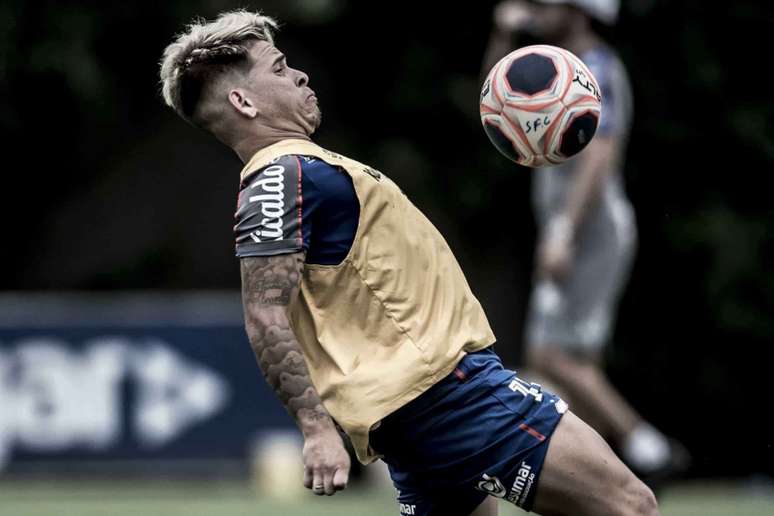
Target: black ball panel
(578, 134)
(531, 74)
(500, 141)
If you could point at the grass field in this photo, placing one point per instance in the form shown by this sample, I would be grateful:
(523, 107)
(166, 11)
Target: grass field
(232, 499)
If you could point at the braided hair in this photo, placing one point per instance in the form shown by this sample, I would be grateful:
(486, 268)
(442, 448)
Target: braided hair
(205, 51)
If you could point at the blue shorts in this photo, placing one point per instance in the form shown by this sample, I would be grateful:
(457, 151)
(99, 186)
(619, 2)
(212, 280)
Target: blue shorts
(480, 431)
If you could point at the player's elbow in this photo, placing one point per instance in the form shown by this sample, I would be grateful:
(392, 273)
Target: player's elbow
(258, 319)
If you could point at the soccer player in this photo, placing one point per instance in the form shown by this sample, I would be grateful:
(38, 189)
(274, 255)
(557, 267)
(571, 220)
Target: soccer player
(586, 235)
(360, 316)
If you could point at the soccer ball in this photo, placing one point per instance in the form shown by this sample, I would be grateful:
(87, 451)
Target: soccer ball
(540, 105)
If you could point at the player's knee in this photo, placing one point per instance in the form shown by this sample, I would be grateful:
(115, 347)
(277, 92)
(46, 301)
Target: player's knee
(628, 496)
(640, 499)
(648, 502)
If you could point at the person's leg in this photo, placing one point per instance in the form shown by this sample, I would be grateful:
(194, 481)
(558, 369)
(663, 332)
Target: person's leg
(567, 329)
(582, 476)
(583, 383)
(571, 320)
(585, 387)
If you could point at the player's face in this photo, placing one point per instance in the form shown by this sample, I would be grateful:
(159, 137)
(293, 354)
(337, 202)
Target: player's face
(549, 21)
(281, 94)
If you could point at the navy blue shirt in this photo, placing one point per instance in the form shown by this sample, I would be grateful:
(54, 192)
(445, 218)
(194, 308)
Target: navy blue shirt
(297, 203)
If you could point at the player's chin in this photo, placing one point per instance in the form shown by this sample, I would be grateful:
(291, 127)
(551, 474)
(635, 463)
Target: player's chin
(313, 120)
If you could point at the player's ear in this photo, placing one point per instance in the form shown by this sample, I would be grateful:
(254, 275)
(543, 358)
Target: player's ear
(242, 103)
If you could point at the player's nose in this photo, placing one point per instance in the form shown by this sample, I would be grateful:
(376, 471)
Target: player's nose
(301, 78)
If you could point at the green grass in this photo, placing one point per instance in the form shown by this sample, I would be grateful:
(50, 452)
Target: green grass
(716, 499)
(232, 499)
(178, 499)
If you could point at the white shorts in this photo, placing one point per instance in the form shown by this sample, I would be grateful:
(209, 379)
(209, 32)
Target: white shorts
(578, 313)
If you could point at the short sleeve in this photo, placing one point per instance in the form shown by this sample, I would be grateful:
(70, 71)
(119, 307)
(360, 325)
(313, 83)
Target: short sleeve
(269, 210)
(615, 92)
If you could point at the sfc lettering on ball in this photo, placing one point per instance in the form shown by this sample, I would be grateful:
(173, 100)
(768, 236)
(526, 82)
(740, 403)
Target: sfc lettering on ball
(540, 105)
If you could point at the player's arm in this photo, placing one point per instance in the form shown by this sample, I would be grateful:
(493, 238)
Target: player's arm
(510, 18)
(269, 288)
(271, 238)
(593, 166)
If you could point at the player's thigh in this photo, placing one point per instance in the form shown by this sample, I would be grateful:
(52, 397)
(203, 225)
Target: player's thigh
(582, 476)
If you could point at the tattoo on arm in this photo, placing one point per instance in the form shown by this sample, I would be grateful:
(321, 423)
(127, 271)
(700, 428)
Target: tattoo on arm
(271, 280)
(269, 287)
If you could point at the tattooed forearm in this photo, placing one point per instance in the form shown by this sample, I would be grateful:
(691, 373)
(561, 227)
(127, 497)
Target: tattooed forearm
(269, 286)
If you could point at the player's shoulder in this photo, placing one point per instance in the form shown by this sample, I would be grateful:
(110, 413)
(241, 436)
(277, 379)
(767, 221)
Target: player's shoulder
(603, 60)
(284, 166)
(314, 168)
(290, 165)
(268, 220)
(601, 53)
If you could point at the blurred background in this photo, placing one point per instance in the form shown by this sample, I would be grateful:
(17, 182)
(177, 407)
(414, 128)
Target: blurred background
(125, 375)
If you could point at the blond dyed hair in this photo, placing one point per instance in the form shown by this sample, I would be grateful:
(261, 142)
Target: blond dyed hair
(207, 51)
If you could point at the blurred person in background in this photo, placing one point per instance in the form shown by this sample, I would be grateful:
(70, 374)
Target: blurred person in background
(586, 235)
(360, 316)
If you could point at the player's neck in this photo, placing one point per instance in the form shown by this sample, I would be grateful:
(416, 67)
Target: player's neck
(247, 147)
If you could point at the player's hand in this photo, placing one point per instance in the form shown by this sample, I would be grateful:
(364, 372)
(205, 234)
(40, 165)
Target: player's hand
(512, 16)
(326, 462)
(555, 251)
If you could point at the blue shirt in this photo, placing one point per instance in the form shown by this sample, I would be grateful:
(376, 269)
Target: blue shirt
(297, 203)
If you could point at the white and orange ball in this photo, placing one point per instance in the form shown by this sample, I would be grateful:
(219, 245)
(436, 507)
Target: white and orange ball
(540, 105)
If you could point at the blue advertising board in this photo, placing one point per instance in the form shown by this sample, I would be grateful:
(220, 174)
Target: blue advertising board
(120, 377)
